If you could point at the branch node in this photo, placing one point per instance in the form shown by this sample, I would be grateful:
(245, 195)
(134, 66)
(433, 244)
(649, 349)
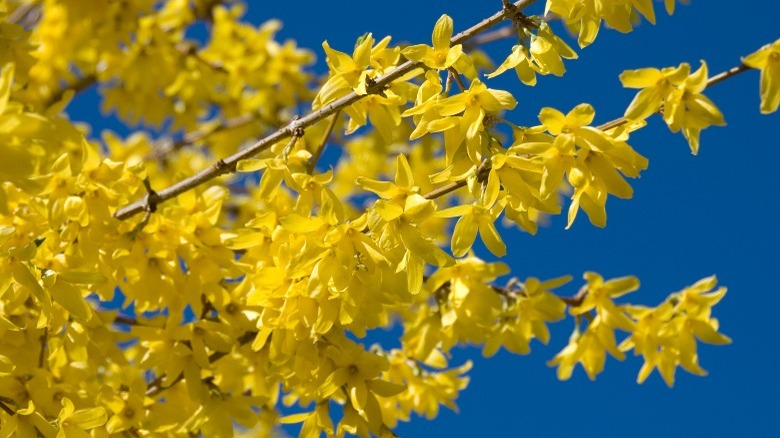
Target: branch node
(152, 198)
(222, 167)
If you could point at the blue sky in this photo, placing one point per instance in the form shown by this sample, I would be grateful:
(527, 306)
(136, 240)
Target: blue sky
(691, 216)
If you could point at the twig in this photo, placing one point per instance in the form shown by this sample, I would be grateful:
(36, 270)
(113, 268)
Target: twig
(196, 136)
(7, 410)
(80, 84)
(192, 50)
(458, 80)
(125, 320)
(489, 37)
(26, 15)
(324, 142)
(375, 87)
(720, 77)
(42, 354)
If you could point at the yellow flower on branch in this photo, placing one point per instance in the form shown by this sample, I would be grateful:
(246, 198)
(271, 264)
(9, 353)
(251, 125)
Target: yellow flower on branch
(541, 54)
(666, 335)
(478, 217)
(767, 59)
(592, 159)
(475, 103)
(74, 422)
(676, 92)
(347, 73)
(397, 215)
(441, 56)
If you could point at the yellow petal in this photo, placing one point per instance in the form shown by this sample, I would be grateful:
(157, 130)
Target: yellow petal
(403, 173)
(442, 33)
(490, 237)
(464, 234)
(552, 119)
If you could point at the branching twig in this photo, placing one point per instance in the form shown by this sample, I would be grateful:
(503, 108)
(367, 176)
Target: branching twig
(375, 87)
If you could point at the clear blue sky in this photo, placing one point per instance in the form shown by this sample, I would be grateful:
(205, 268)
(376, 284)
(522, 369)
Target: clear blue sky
(690, 217)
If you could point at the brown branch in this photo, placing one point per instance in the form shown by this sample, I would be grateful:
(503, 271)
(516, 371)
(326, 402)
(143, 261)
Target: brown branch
(489, 37)
(458, 80)
(125, 320)
(722, 76)
(80, 84)
(26, 15)
(7, 410)
(42, 353)
(321, 148)
(375, 87)
(451, 187)
(201, 134)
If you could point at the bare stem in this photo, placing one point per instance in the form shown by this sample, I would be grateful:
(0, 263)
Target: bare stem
(7, 410)
(321, 148)
(458, 80)
(220, 167)
(42, 353)
(201, 134)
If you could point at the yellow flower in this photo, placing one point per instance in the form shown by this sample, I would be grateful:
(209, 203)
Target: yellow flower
(767, 59)
(397, 214)
(666, 336)
(526, 315)
(599, 295)
(542, 55)
(478, 217)
(593, 168)
(441, 56)
(74, 423)
(678, 92)
(347, 73)
(588, 349)
(474, 103)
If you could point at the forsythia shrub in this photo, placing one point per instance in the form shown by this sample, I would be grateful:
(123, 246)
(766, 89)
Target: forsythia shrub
(245, 273)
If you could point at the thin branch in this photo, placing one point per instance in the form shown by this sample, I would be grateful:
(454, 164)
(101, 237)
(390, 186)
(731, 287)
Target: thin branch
(201, 134)
(722, 76)
(458, 80)
(324, 142)
(375, 87)
(451, 187)
(192, 50)
(7, 410)
(26, 15)
(42, 354)
(489, 37)
(80, 84)
(124, 320)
